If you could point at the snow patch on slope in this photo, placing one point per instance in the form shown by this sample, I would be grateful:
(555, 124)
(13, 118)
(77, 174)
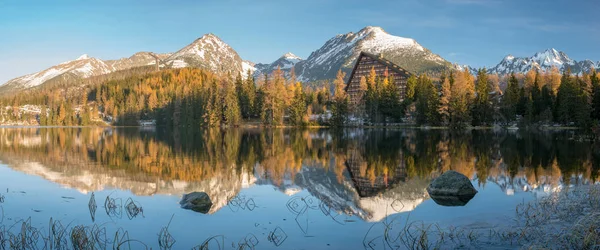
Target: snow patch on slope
(179, 64)
(246, 65)
(383, 41)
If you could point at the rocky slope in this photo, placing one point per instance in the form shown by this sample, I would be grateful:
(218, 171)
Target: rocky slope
(82, 67)
(286, 63)
(341, 51)
(136, 60)
(209, 52)
(543, 60)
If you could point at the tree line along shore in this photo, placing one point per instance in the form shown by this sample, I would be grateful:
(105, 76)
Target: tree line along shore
(192, 97)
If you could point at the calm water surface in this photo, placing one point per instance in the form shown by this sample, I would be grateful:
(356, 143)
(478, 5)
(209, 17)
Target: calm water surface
(271, 189)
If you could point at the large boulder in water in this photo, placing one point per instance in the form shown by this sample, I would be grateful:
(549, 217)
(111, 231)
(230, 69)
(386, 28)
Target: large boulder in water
(451, 189)
(452, 200)
(196, 201)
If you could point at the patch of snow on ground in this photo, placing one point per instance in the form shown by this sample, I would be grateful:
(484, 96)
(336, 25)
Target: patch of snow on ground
(179, 64)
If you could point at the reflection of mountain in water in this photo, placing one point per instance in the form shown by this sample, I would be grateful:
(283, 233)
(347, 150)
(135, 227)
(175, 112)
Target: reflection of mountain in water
(344, 197)
(388, 175)
(219, 189)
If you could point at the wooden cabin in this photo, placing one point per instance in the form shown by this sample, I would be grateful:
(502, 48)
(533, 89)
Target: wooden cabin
(363, 66)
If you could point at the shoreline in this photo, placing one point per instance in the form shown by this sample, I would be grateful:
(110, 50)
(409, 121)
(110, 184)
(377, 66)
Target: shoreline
(542, 128)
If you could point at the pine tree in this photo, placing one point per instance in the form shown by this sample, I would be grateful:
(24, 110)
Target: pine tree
(536, 96)
(530, 78)
(274, 99)
(566, 98)
(482, 109)
(84, 98)
(360, 108)
(528, 115)
(339, 110)
(411, 85)
(582, 108)
(85, 116)
(390, 100)
(231, 109)
(427, 101)
(510, 99)
(444, 107)
(372, 104)
(248, 97)
(462, 94)
(595, 80)
(298, 111)
(152, 101)
(62, 114)
(43, 116)
(212, 108)
(371, 80)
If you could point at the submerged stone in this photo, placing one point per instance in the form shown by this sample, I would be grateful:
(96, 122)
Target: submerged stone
(197, 202)
(451, 189)
(452, 200)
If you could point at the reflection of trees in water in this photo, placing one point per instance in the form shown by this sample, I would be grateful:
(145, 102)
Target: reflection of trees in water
(375, 156)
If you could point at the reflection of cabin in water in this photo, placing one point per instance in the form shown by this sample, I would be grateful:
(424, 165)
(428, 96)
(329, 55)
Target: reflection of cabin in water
(363, 184)
(363, 66)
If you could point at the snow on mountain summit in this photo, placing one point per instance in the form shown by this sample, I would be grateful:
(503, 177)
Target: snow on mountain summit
(83, 57)
(82, 67)
(286, 63)
(341, 51)
(543, 60)
(291, 56)
(380, 40)
(209, 52)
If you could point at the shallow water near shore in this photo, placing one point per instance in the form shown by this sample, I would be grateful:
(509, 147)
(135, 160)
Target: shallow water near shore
(272, 188)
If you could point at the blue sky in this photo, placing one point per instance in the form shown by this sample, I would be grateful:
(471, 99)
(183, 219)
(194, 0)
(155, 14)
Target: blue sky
(37, 34)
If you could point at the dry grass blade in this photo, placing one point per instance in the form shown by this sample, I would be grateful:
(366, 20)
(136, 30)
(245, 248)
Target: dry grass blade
(213, 243)
(133, 208)
(80, 238)
(113, 207)
(92, 207)
(277, 236)
(165, 239)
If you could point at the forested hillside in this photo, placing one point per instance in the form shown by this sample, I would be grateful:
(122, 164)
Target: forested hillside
(191, 97)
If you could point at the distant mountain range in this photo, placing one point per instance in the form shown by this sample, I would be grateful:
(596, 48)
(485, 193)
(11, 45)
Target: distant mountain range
(339, 52)
(543, 61)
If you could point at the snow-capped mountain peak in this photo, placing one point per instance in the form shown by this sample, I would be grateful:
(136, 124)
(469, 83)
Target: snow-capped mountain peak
(380, 40)
(83, 57)
(209, 52)
(291, 56)
(341, 51)
(552, 57)
(82, 67)
(509, 57)
(286, 63)
(543, 60)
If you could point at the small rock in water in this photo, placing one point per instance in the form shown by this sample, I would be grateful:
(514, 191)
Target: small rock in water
(451, 189)
(197, 202)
